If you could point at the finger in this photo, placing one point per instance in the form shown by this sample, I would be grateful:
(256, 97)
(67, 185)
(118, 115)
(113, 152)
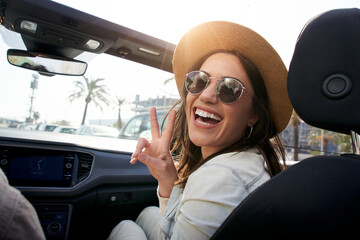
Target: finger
(133, 160)
(151, 162)
(154, 125)
(169, 126)
(141, 144)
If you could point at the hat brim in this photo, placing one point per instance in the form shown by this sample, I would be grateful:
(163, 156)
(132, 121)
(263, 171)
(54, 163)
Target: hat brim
(214, 36)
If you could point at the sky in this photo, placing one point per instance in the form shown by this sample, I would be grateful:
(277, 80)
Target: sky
(278, 21)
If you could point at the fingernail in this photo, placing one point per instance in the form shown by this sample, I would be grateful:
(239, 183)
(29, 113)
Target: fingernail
(132, 160)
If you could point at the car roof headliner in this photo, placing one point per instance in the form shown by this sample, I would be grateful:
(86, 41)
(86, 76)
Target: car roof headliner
(63, 30)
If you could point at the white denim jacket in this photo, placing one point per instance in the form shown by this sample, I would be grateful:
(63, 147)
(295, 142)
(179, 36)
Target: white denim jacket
(211, 194)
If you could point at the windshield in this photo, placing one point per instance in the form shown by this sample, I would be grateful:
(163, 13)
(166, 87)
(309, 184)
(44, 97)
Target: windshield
(33, 102)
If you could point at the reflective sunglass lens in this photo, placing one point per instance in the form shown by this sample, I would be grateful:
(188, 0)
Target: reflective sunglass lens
(229, 90)
(196, 82)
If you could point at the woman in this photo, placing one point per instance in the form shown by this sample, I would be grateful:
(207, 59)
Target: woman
(233, 102)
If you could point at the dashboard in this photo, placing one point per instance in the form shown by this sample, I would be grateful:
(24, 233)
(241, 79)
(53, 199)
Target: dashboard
(72, 180)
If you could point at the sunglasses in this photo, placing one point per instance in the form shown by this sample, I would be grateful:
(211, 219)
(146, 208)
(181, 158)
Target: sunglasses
(228, 89)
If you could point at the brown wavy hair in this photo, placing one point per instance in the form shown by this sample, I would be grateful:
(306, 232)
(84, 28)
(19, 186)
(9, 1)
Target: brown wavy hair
(264, 135)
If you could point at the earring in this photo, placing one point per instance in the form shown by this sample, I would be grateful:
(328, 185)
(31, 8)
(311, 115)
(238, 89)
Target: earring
(248, 136)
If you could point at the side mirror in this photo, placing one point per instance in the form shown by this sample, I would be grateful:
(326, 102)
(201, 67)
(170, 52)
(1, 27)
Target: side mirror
(46, 64)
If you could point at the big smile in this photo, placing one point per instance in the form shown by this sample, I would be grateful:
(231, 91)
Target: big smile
(206, 118)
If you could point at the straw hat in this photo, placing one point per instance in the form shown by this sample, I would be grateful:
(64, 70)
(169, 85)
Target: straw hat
(210, 37)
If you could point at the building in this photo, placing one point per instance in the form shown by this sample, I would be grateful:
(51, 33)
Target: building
(161, 103)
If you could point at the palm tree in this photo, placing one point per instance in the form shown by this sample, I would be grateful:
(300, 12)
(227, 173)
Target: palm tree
(119, 101)
(295, 121)
(92, 91)
(169, 80)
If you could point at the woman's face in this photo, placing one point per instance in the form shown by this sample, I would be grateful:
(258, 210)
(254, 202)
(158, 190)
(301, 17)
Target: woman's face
(214, 125)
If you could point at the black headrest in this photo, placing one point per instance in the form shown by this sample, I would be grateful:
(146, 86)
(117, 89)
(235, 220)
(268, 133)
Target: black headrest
(324, 73)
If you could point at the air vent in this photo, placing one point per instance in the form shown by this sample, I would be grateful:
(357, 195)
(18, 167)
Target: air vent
(84, 168)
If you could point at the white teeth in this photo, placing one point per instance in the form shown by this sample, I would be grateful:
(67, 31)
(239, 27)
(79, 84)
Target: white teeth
(202, 113)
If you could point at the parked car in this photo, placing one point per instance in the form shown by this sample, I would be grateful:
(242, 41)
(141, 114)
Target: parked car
(139, 126)
(65, 129)
(84, 62)
(27, 126)
(98, 131)
(46, 127)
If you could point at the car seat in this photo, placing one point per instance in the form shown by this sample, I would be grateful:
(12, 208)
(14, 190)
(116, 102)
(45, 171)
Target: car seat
(319, 196)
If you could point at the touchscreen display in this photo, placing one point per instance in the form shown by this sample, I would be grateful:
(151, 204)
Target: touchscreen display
(36, 168)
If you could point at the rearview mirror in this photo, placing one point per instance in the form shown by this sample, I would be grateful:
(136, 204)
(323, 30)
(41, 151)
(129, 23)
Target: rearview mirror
(46, 64)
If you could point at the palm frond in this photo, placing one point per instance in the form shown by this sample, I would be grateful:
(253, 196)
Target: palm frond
(92, 91)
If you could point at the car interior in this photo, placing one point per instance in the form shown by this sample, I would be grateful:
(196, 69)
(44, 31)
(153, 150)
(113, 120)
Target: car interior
(81, 187)
(90, 186)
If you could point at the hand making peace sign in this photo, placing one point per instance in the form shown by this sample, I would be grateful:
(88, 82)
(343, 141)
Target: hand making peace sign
(156, 154)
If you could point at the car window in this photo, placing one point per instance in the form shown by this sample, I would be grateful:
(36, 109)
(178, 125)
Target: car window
(133, 128)
(50, 128)
(87, 131)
